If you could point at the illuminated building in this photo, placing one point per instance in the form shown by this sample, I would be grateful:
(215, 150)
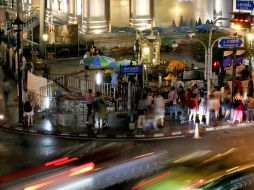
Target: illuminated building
(97, 16)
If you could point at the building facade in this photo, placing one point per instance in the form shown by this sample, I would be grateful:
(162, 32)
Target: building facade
(97, 16)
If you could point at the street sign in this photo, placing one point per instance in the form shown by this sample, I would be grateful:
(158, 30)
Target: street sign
(245, 5)
(230, 42)
(131, 69)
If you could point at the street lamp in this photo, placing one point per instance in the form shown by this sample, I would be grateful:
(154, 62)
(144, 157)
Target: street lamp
(18, 27)
(250, 38)
(45, 38)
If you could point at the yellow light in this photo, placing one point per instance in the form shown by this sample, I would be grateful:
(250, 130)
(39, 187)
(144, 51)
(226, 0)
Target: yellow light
(250, 36)
(124, 3)
(45, 37)
(177, 10)
(236, 27)
(146, 50)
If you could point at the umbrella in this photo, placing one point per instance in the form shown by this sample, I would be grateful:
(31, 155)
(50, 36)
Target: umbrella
(97, 61)
(116, 65)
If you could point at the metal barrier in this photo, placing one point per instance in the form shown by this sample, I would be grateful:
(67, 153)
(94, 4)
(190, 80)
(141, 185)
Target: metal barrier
(81, 85)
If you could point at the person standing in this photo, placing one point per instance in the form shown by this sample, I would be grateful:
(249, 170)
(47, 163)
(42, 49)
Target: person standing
(250, 87)
(89, 103)
(29, 106)
(99, 106)
(6, 91)
(159, 109)
(201, 108)
(142, 110)
(238, 107)
(149, 102)
(249, 108)
(193, 105)
(173, 97)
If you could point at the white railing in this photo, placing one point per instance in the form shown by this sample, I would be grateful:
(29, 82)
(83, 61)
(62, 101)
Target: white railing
(75, 84)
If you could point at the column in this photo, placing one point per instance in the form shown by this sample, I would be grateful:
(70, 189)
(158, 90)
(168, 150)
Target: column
(72, 12)
(95, 16)
(42, 26)
(141, 14)
(50, 21)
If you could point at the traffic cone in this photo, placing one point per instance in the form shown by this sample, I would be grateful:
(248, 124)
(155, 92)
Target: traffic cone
(196, 134)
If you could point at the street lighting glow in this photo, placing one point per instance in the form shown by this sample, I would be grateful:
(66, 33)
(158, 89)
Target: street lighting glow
(236, 26)
(98, 79)
(177, 10)
(146, 50)
(47, 103)
(45, 37)
(250, 36)
(1, 116)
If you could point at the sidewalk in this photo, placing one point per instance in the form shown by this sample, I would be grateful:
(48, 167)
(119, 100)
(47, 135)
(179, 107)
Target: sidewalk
(118, 127)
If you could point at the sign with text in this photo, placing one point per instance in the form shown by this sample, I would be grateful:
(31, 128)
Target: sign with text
(245, 5)
(230, 42)
(131, 69)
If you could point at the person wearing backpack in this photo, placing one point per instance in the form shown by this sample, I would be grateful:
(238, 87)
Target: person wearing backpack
(29, 111)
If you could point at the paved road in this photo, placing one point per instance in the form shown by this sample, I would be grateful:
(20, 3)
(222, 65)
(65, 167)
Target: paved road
(20, 151)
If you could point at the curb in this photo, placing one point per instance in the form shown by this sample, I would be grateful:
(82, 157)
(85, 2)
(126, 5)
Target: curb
(151, 136)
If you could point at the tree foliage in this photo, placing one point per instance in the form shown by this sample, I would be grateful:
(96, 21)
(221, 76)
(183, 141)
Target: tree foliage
(198, 51)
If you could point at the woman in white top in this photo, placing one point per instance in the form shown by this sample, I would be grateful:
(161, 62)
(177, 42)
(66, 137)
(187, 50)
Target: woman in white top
(201, 108)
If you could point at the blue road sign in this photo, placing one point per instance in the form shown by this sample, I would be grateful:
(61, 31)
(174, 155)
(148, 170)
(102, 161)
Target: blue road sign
(245, 5)
(230, 42)
(131, 69)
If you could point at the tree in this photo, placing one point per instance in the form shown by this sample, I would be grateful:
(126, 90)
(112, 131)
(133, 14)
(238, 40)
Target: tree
(173, 24)
(207, 21)
(199, 21)
(198, 51)
(2, 2)
(181, 23)
(191, 25)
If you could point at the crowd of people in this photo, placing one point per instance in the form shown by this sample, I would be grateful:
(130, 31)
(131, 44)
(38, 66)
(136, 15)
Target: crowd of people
(191, 104)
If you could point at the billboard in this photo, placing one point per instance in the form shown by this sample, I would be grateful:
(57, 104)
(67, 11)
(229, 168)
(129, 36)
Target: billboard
(228, 58)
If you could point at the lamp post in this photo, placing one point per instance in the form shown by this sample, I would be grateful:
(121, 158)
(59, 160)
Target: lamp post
(45, 38)
(18, 27)
(250, 38)
(46, 69)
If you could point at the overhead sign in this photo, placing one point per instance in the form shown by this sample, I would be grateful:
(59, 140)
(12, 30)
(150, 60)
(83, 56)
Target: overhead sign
(230, 42)
(245, 5)
(131, 69)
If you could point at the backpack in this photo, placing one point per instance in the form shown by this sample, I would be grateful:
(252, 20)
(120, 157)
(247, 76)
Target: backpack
(27, 106)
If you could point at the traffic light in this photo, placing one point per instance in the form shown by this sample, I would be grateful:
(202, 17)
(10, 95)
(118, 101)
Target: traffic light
(216, 64)
(242, 19)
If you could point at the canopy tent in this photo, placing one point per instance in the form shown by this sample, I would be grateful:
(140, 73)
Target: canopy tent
(116, 65)
(97, 61)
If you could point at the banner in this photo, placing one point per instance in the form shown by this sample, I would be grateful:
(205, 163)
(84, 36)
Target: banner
(227, 58)
(239, 57)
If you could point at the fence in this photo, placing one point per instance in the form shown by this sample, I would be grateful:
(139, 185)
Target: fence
(74, 84)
